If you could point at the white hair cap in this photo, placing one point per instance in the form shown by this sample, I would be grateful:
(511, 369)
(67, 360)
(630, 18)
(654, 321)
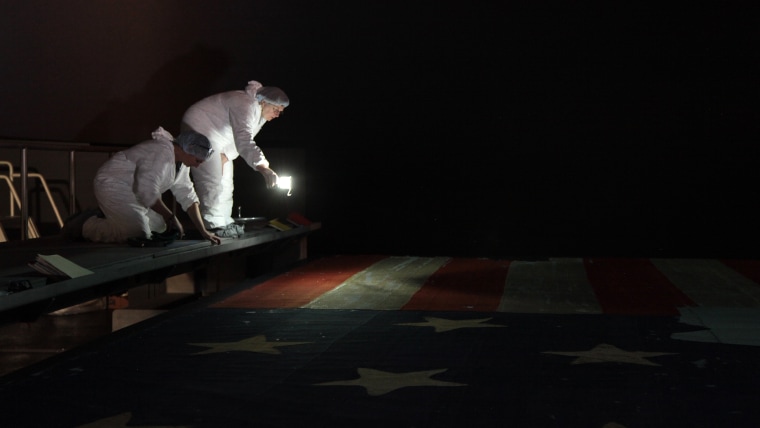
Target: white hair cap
(195, 144)
(273, 95)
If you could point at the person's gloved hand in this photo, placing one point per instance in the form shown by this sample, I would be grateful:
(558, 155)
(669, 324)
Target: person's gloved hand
(269, 176)
(215, 240)
(175, 224)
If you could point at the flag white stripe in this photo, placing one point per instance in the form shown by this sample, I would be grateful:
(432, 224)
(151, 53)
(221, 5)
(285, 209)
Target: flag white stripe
(386, 285)
(710, 283)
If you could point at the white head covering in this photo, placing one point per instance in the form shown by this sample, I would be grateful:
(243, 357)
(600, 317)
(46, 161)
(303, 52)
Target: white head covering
(269, 94)
(195, 144)
(273, 95)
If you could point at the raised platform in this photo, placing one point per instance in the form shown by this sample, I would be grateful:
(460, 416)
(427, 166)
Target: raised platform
(119, 267)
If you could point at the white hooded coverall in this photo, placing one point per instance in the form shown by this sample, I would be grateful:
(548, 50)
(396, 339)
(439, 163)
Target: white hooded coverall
(130, 182)
(230, 121)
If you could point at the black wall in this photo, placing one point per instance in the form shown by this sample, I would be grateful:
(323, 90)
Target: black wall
(507, 129)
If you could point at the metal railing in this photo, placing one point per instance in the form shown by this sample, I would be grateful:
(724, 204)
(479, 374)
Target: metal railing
(15, 201)
(48, 146)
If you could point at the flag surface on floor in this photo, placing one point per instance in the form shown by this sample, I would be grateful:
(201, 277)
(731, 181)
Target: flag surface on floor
(428, 342)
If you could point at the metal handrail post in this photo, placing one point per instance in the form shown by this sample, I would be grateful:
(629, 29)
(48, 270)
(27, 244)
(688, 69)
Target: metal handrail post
(24, 197)
(72, 182)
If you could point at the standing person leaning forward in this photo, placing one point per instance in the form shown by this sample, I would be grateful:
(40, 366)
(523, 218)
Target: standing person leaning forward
(231, 120)
(129, 187)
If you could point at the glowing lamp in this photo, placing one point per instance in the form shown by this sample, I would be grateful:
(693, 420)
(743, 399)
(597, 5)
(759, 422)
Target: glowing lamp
(285, 182)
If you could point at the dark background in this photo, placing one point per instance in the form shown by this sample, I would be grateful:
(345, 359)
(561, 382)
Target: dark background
(499, 129)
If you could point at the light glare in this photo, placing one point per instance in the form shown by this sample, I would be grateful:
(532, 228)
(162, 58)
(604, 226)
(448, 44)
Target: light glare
(285, 182)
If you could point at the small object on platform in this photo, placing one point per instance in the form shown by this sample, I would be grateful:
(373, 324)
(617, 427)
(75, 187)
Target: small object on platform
(232, 230)
(55, 265)
(277, 224)
(20, 285)
(298, 219)
(245, 220)
(15, 284)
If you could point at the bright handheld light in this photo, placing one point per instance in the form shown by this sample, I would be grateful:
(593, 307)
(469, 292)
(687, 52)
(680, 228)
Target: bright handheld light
(285, 182)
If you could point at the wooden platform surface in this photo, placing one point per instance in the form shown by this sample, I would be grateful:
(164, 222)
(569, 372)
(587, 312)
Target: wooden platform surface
(112, 262)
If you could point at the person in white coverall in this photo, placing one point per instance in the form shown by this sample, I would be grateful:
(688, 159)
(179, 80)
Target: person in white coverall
(231, 120)
(129, 188)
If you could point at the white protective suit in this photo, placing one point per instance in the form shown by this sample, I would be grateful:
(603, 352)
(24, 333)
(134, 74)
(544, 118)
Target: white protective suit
(230, 121)
(130, 182)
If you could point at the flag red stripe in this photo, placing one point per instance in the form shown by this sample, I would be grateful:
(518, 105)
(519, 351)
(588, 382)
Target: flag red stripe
(462, 285)
(633, 287)
(300, 285)
(749, 268)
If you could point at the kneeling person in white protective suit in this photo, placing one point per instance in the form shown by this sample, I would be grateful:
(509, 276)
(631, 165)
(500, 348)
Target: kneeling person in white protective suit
(130, 184)
(231, 120)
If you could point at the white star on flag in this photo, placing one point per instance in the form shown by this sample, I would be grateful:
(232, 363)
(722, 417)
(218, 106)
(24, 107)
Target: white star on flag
(443, 324)
(254, 344)
(605, 353)
(378, 382)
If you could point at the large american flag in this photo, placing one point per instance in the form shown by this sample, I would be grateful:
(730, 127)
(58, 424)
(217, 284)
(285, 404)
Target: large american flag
(403, 341)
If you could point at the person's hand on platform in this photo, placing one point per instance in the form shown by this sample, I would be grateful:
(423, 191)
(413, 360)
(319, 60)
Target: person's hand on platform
(211, 237)
(195, 216)
(175, 224)
(269, 176)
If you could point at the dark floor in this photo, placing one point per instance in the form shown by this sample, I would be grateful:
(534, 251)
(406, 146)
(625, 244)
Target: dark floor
(23, 344)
